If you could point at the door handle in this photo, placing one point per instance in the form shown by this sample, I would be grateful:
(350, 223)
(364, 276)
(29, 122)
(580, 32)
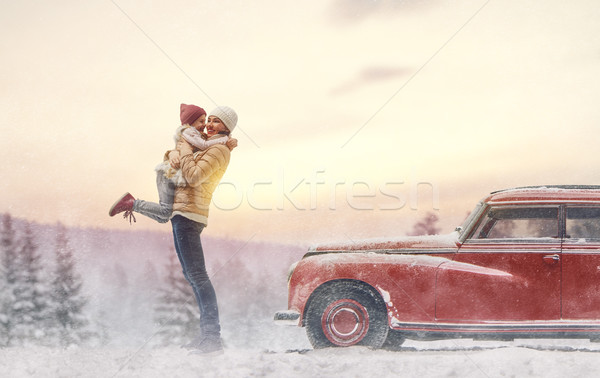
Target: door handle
(551, 259)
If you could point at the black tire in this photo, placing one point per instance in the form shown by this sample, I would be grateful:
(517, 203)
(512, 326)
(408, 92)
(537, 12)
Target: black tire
(394, 341)
(346, 313)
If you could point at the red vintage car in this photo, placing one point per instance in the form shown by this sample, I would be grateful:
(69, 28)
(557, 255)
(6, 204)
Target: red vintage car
(524, 264)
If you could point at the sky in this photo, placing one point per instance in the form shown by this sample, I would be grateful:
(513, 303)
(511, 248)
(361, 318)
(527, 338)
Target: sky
(356, 117)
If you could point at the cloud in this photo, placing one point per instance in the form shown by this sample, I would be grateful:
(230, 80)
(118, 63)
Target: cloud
(349, 11)
(370, 75)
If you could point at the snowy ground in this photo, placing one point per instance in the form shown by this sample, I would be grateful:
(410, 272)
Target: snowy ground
(453, 358)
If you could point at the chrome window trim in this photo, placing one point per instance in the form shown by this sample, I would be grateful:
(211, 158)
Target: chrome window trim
(471, 221)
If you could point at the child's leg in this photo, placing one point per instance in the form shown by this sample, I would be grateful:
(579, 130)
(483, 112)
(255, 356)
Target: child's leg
(161, 211)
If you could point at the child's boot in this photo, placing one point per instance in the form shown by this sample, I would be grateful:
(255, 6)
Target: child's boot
(125, 203)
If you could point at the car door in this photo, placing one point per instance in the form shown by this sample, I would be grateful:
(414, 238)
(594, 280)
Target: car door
(508, 269)
(581, 263)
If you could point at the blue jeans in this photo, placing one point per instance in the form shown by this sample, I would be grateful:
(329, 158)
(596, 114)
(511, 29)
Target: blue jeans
(186, 234)
(161, 211)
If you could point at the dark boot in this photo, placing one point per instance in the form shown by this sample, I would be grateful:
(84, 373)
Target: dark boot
(208, 346)
(194, 342)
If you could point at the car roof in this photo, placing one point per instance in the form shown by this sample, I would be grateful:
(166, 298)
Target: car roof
(546, 194)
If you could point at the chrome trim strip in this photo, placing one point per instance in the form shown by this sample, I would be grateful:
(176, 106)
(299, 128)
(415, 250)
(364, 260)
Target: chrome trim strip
(581, 252)
(497, 327)
(545, 201)
(516, 251)
(424, 251)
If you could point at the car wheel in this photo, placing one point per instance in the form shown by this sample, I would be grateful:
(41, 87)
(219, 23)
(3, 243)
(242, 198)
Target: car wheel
(346, 313)
(394, 341)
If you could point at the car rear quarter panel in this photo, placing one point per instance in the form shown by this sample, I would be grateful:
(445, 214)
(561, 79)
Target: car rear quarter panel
(406, 282)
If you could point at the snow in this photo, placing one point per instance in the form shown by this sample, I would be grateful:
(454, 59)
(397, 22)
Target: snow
(386, 296)
(255, 345)
(451, 358)
(558, 188)
(423, 241)
(399, 259)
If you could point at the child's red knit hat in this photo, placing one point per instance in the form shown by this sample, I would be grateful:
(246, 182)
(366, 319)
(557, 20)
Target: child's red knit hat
(190, 113)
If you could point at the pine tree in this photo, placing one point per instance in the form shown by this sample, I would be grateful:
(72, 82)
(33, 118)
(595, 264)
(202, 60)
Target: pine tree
(176, 312)
(145, 292)
(8, 282)
(238, 294)
(68, 301)
(426, 226)
(101, 325)
(243, 300)
(32, 305)
(149, 279)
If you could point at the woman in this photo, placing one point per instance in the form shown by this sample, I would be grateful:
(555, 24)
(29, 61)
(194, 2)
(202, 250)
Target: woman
(193, 122)
(202, 170)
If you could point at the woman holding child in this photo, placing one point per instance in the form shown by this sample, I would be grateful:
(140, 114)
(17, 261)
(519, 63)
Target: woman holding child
(202, 171)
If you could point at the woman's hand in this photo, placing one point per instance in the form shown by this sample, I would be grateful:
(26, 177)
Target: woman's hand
(231, 143)
(174, 159)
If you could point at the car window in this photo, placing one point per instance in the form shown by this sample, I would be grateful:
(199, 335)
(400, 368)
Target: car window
(583, 222)
(518, 223)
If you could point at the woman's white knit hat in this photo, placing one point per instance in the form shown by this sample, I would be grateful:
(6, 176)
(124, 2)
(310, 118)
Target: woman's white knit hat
(225, 114)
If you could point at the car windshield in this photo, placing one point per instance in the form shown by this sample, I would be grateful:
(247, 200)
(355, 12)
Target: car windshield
(469, 220)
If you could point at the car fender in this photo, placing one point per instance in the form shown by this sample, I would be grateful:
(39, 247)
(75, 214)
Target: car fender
(406, 282)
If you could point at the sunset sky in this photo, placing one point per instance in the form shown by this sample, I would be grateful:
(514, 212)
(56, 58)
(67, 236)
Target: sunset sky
(356, 117)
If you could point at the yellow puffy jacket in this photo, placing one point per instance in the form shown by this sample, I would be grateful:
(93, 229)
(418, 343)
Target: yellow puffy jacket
(203, 171)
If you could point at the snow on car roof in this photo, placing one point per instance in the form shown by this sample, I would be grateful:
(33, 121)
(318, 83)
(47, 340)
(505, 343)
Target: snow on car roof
(548, 193)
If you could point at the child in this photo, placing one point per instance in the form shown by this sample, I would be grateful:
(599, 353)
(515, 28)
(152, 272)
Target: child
(193, 121)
